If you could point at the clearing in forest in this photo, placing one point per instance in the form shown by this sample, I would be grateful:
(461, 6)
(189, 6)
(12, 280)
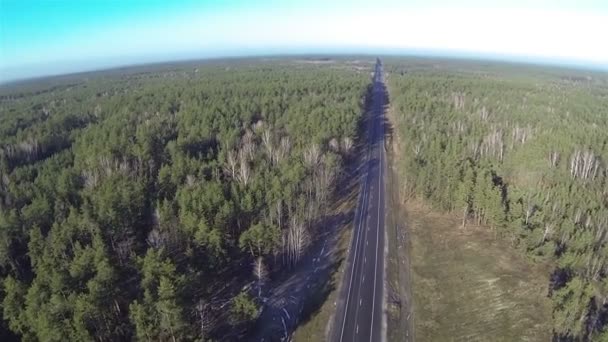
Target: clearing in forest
(470, 286)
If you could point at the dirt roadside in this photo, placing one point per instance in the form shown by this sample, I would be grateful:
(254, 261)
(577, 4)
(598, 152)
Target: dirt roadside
(400, 306)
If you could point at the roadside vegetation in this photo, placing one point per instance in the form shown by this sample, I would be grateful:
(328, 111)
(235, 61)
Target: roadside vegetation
(520, 151)
(159, 203)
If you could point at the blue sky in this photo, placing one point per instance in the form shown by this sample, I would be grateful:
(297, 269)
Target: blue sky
(58, 36)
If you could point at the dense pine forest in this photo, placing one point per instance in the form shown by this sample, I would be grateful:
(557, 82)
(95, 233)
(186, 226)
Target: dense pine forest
(523, 151)
(154, 203)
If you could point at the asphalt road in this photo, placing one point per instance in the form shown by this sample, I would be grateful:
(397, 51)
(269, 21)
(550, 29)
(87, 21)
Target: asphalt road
(360, 313)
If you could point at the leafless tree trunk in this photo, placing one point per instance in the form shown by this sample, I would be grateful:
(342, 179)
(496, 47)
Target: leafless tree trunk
(297, 240)
(205, 318)
(584, 165)
(417, 149)
(484, 114)
(231, 164)
(474, 147)
(325, 176)
(547, 232)
(268, 144)
(312, 155)
(492, 144)
(258, 126)
(553, 159)
(347, 145)
(465, 211)
(530, 208)
(260, 272)
(248, 145)
(459, 100)
(279, 210)
(244, 169)
(334, 145)
(284, 148)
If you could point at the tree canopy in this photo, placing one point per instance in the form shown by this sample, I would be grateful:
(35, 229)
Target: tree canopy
(522, 150)
(143, 203)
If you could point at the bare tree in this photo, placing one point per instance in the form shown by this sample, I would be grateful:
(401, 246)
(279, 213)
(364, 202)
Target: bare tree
(347, 145)
(492, 144)
(260, 272)
(553, 159)
(268, 144)
(284, 148)
(584, 165)
(258, 126)
(459, 127)
(548, 231)
(204, 317)
(325, 175)
(156, 239)
(312, 155)
(124, 249)
(190, 180)
(530, 208)
(417, 149)
(297, 240)
(459, 100)
(231, 164)
(244, 169)
(91, 178)
(279, 210)
(520, 135)
(334, 145)
(484, 114)
(474, 148)
(248, 145)
(30, 148)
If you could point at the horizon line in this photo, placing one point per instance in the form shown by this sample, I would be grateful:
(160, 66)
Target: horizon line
(386, 52)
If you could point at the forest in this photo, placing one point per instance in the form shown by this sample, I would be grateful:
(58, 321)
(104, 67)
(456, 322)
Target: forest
(155, 203)
(521, 150)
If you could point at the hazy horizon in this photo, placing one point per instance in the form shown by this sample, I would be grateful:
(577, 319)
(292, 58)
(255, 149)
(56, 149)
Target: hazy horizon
(43, 38)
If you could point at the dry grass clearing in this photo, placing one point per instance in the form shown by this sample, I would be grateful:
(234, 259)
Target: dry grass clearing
(469, 286)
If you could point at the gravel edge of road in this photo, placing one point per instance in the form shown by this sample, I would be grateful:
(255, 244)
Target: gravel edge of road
(400, 246)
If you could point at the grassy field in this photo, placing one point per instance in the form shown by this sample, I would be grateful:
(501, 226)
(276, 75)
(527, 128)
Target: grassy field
(469, 286)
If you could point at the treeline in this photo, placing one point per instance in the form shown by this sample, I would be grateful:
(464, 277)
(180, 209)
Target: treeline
(525, 154)
(155, 205)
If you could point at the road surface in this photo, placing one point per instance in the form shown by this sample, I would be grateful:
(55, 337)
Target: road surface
(360, 310)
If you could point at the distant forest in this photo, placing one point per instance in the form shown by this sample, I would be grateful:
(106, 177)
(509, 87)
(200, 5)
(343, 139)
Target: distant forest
(153, 203)
(523, 151)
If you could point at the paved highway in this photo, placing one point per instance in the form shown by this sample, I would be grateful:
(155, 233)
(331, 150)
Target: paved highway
(360, 310)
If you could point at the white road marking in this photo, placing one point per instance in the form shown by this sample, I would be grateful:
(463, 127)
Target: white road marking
(364, 200)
